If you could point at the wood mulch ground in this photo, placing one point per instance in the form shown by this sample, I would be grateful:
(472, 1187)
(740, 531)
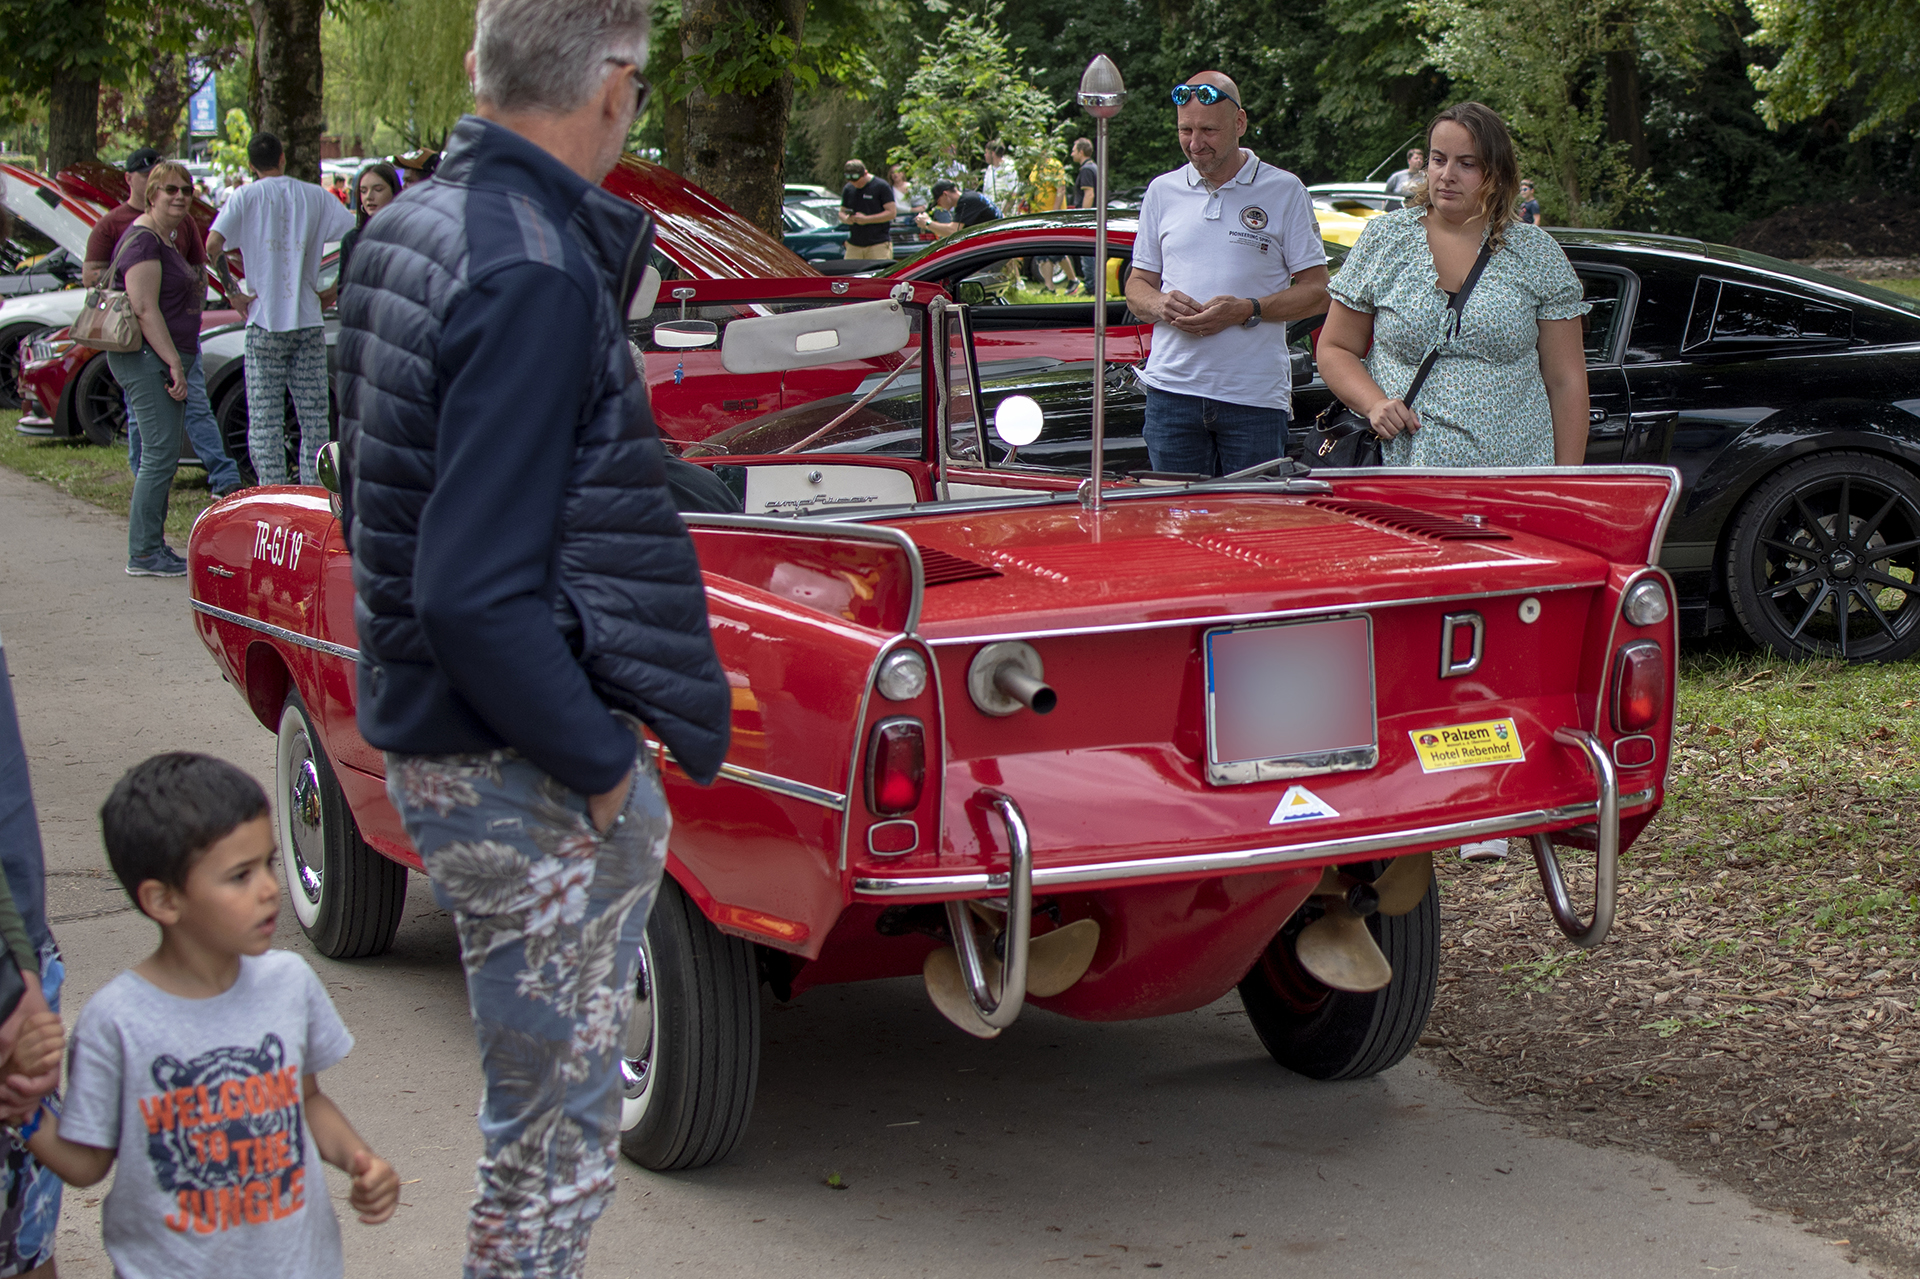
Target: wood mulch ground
(1755, 1016)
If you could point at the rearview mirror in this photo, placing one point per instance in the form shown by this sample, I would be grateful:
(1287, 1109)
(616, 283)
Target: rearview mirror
(1017, 421)
(686, 335)
(326, 466)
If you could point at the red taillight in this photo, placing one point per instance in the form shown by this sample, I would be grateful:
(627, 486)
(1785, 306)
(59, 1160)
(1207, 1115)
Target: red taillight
(1639, 686)
(896, 766)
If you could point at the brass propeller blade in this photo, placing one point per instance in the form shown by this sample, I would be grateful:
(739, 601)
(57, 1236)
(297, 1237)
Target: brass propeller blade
(1403, 884)
(948, 990)
(1056, 960)
(1340, 952)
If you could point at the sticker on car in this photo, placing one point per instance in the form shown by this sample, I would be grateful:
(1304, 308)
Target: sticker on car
(1491, 741)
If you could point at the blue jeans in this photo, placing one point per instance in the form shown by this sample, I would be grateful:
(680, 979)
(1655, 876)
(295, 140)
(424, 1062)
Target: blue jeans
(1192, 435)
(143, 375)
(550, 916)
(223, 473)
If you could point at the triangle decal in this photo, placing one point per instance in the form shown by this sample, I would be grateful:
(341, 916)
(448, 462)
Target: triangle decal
(1299, 805)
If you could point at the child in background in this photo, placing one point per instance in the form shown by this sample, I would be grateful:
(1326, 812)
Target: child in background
(196, 1068)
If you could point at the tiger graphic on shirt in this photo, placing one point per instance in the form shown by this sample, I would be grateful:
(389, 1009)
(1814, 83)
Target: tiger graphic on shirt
(225, 1137)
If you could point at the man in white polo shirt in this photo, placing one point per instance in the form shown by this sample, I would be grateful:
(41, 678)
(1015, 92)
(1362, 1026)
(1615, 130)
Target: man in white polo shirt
(1232, 229)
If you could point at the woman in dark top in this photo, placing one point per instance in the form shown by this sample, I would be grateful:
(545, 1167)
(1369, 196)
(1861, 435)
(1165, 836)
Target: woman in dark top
(374, 188)
(167, 293)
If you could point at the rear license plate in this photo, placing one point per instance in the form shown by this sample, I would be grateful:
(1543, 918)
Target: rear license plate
(1290, 699)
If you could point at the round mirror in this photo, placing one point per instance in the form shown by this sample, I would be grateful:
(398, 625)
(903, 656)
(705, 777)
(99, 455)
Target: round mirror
(971, 293)
(1017, 421)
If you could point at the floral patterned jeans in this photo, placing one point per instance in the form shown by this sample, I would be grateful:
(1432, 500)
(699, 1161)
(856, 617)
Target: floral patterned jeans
(550, 915)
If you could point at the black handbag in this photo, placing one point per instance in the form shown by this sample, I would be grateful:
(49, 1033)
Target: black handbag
(1340, 437)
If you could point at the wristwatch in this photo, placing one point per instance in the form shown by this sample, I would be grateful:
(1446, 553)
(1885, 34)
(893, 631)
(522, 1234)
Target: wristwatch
(1252, 321)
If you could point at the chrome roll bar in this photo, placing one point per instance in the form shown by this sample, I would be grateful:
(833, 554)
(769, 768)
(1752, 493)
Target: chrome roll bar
(1000, 1008)
(1606, 869)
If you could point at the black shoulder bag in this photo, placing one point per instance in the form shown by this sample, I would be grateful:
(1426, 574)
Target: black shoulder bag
(1341, 437)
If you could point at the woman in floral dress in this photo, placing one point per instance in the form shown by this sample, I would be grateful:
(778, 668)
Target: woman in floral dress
(1510, 386)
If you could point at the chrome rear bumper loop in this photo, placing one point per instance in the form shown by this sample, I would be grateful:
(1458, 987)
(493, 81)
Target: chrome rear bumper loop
(999, 1008)
(1583, 934)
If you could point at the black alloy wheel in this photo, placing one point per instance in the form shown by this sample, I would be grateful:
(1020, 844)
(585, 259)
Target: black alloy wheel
(1824, 560)
(13, 359)
(99, 406)
(1323, 1033)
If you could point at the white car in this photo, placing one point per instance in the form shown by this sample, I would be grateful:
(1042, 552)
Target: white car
(65, 219)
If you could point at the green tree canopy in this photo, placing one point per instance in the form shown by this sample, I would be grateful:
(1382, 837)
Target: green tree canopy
(967, 92)
(1832, 48)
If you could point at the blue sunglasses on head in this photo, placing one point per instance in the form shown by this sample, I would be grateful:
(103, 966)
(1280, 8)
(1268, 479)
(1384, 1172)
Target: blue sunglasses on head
(1205, 94)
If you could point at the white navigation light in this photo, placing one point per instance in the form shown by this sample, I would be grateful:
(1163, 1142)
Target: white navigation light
(903, 675)
(1646, 603)
(1017, 421)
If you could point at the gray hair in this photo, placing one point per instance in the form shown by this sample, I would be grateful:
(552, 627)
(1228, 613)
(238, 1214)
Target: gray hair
(551, 55)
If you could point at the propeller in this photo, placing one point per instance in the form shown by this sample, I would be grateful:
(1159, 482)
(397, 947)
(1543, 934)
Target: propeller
(1055, 961)
(1338, 948)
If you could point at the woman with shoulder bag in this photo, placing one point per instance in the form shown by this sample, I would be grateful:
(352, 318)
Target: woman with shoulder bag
(1507, 383)
(166, 293)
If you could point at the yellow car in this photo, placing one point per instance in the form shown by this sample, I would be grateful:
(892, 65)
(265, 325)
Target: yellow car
(1341, 228)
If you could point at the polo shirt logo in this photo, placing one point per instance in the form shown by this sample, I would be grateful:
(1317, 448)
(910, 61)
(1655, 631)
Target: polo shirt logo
(1253, 217)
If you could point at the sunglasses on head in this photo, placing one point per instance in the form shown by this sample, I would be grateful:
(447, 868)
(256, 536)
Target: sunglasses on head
(1205, 94)
(641, 89)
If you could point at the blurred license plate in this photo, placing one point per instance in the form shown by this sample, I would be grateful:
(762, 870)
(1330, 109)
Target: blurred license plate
(1290, 700)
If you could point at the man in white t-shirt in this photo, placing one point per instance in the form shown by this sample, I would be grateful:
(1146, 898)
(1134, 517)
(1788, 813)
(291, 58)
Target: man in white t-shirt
(1232, 229)
(281, 226)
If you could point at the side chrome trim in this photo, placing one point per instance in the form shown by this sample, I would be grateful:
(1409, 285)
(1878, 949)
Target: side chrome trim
(845, 532)
(771, 782)
(278, 632)
(1271, 615)
(1060, 877)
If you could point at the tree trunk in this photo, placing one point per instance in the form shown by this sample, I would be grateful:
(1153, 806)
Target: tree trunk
(166, 98)
(1624, 109)
(286, 47)
(673, 141)
(737, 143)
(73, 119)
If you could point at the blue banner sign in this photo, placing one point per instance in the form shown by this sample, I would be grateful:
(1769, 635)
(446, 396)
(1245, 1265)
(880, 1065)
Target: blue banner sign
(203, 109)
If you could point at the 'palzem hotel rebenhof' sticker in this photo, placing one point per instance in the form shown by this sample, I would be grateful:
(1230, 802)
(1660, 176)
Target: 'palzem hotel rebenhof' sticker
(1492, 741)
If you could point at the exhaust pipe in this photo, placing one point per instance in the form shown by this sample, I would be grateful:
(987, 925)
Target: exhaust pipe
(1006, 677)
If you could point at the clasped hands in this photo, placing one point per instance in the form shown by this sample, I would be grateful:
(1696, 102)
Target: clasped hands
(1203, 319)
(32, 1040)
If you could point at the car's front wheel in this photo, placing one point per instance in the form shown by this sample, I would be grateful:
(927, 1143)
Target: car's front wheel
(1824, 556)
(99, 406)
(12, 393)
(1322, 1033)
(347, 897)
(693, 1042)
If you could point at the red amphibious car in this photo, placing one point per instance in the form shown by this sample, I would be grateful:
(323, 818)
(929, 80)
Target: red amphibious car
(1113, 759)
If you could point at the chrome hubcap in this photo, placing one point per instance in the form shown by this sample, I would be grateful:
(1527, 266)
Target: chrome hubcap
(636, 1067)
(303, 809)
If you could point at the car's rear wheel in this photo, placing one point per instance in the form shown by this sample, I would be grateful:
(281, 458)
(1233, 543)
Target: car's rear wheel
(12, 393)
(1824, 558)
(693, 1042)
(347, 897)
(99, 405)
(230, 415)
(1323, 1033)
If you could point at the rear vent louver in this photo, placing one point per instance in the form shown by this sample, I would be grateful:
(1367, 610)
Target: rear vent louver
(1441, 528)
(943, 569)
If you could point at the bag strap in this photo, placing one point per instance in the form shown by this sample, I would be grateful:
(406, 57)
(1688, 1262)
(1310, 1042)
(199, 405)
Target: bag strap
(1457, 306)
(113, 263)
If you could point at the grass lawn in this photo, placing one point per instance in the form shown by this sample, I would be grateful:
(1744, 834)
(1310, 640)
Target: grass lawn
(1910, 287)
(100, 476)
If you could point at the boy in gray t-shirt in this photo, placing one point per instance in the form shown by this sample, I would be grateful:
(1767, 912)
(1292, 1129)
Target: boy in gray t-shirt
(195, 1069)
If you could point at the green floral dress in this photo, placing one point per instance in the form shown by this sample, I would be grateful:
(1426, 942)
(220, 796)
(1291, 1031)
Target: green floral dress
(1485, 403)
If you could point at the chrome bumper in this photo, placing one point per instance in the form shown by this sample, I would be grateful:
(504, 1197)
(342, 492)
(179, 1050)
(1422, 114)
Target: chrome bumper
(981, 883)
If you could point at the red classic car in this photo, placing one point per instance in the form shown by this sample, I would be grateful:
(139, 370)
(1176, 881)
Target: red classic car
(1115, 759)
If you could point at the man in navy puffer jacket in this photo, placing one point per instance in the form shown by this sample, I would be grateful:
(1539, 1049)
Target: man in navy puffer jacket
(526, 593)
